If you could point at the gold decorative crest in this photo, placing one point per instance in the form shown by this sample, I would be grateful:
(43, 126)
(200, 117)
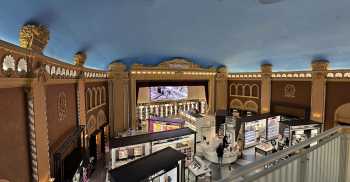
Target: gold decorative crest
(289, 91)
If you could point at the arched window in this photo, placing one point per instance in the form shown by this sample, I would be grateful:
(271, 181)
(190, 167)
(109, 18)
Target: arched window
(94, 97)
(88, 99)
(99, 94)
(233, 89)
(246, 91)
(255, 90)
(240, 89)
(104, 96)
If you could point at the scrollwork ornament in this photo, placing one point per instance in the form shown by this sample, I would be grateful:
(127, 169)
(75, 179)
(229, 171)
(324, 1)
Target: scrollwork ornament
(289, 91)
(62, 106)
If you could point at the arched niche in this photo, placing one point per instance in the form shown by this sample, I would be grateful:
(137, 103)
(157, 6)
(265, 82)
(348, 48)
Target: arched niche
(342, 114)
(101, 118)
(251, 106)
(236, 104)
(91, 125)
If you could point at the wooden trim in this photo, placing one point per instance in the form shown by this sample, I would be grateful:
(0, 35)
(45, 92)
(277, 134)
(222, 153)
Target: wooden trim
(337, 80)
(95, 80)
(292, 79)
(14, 82)
(251, 97)
(96, 107)
(61, 81)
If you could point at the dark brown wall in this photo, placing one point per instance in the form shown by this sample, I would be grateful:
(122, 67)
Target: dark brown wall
(297, 106)
(302, 93)
(337, 94)
(59, 129)
(14, 147)
(243, 99)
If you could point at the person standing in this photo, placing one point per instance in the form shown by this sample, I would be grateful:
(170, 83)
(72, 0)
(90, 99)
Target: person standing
(224, 141)
(220, 153)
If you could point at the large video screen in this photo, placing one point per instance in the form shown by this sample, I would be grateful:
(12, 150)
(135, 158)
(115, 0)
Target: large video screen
(168, 93)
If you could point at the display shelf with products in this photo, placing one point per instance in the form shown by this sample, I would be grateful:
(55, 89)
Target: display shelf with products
(199, 171)
(150, 169)
(273, 127)
(126, 149)
(253, 131)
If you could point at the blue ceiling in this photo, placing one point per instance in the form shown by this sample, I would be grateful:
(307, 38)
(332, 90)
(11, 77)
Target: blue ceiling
(240, 34)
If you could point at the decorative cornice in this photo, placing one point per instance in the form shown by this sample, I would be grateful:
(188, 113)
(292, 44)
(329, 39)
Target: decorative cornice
(34, 37)
(176, 64)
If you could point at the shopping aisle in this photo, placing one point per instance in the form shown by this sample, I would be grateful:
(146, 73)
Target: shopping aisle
(99, 175)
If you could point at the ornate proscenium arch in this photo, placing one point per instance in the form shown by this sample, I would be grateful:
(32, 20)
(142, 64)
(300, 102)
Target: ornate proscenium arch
(342, 114)
(177, 69)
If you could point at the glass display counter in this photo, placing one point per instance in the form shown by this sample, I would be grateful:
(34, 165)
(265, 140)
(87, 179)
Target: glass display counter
(130, 148)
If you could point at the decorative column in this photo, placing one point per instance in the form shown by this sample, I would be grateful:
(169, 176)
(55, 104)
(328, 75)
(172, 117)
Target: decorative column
(318, 90)
(161, 111)
(266, 71)
(211, 89)
(118, 97)
(221, 89)
(39, 141)
(79, 60)
(35, 38)
(133, 102)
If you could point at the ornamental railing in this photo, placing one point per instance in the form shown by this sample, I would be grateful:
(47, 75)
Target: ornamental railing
(292, 75)
(246, 75)
(17, 62)
(327, 160)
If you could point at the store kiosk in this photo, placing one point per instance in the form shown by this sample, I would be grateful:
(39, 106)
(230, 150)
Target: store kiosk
(162, 166)
(127, 149)
(298, 130)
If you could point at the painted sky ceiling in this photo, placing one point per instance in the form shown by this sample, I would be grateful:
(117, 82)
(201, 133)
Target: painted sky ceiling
(240, 34)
